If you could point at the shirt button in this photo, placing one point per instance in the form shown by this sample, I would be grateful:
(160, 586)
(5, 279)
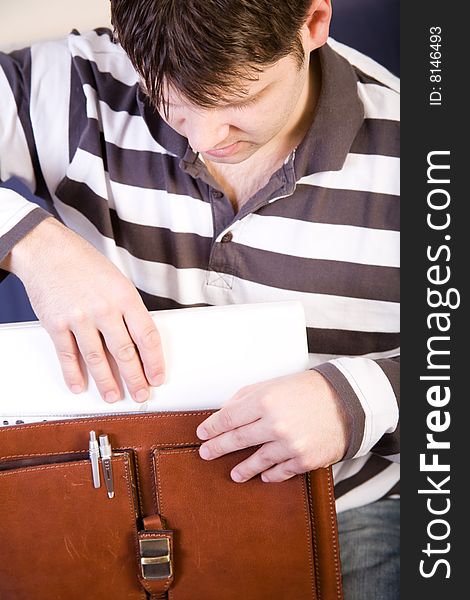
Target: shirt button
(227, 237)
(216, 194)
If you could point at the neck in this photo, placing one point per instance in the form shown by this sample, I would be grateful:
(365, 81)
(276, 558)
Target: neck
(240, 181)
(302, 117)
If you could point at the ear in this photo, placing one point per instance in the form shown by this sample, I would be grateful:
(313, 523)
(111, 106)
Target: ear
(317, 25)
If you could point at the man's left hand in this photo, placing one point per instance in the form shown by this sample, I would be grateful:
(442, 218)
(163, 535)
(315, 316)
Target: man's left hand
(298, 420)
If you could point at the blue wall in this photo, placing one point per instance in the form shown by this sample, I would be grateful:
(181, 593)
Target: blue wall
(370, 26)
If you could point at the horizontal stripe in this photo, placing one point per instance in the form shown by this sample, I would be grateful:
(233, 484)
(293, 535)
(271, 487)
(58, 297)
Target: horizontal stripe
(108, 57)
(371, 468)
(310, 274)
(337, 207)
(155, 208)
(348, 468)
(87, 170)
(371, 490)
(149, 243)
(394, 492)
(315, 359)
(159, 303)
(139, 168)
(393, 457)
(180, 250)
(363, 77)
(379, 102)
(120, 128)
(184, 285)
(366, 64)
(165, 280)
(117, 95)
(319, 240)
(188, 286)
(179, 213)
(377, 137)
(349, 343)
(370, 173)
(389, 354)
(389, 445)
(376, 396)
(325, 311)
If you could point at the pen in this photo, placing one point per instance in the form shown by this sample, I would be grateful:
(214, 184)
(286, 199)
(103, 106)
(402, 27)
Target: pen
(105, 451)
(94, 454)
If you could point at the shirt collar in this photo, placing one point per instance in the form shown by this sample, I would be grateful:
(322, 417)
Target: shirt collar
(338, 116)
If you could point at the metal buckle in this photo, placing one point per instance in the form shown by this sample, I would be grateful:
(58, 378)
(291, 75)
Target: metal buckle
(155, 558)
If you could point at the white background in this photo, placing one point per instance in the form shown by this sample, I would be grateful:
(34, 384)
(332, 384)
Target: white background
(25, 21)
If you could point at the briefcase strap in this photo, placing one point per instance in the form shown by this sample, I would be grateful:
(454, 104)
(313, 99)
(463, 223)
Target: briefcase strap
(155, 557)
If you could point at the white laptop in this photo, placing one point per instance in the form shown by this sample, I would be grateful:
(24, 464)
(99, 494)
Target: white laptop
(210, 354)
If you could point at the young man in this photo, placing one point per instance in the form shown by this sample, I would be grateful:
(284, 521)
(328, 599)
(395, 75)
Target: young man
(222, 153)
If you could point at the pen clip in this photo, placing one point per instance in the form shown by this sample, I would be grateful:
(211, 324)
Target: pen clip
(93, 452)
(106, 454)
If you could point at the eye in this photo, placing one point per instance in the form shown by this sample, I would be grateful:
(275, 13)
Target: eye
(245, 105)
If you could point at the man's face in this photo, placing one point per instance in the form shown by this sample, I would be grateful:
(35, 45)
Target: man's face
(235, 130)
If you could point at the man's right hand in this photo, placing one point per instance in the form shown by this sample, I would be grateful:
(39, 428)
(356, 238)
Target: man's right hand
(89, 308)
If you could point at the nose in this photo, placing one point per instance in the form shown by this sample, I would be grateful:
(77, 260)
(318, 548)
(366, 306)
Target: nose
(206, 130)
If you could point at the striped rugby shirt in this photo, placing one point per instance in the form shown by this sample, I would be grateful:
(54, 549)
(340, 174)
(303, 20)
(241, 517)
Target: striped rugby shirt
(77, 130)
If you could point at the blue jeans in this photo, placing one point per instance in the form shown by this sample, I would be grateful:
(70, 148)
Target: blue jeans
(369, 539)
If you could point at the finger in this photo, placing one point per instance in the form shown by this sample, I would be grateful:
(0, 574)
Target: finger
(263, 459)
(249, 435)
(91, 348)
(145, 334)
(124, 352)
(282, 472)
(68, 355)
(228, 418)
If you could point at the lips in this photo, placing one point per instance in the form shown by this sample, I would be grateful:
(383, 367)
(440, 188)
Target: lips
(223, 152)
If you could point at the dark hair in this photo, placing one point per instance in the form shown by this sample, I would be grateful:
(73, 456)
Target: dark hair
(204, 48)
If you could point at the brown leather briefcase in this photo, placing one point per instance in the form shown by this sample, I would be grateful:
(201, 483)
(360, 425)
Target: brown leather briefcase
(176, 526)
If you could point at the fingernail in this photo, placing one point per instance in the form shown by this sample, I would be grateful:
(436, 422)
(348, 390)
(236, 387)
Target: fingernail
(204, 452)
(111, 397)
(235, 475)
(201, 433)
(264, 478)
(76, 389)
(142, 395)
(157, 380)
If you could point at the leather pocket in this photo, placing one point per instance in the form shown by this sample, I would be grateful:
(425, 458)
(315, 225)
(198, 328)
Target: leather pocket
(62, 538)
(231, 541)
